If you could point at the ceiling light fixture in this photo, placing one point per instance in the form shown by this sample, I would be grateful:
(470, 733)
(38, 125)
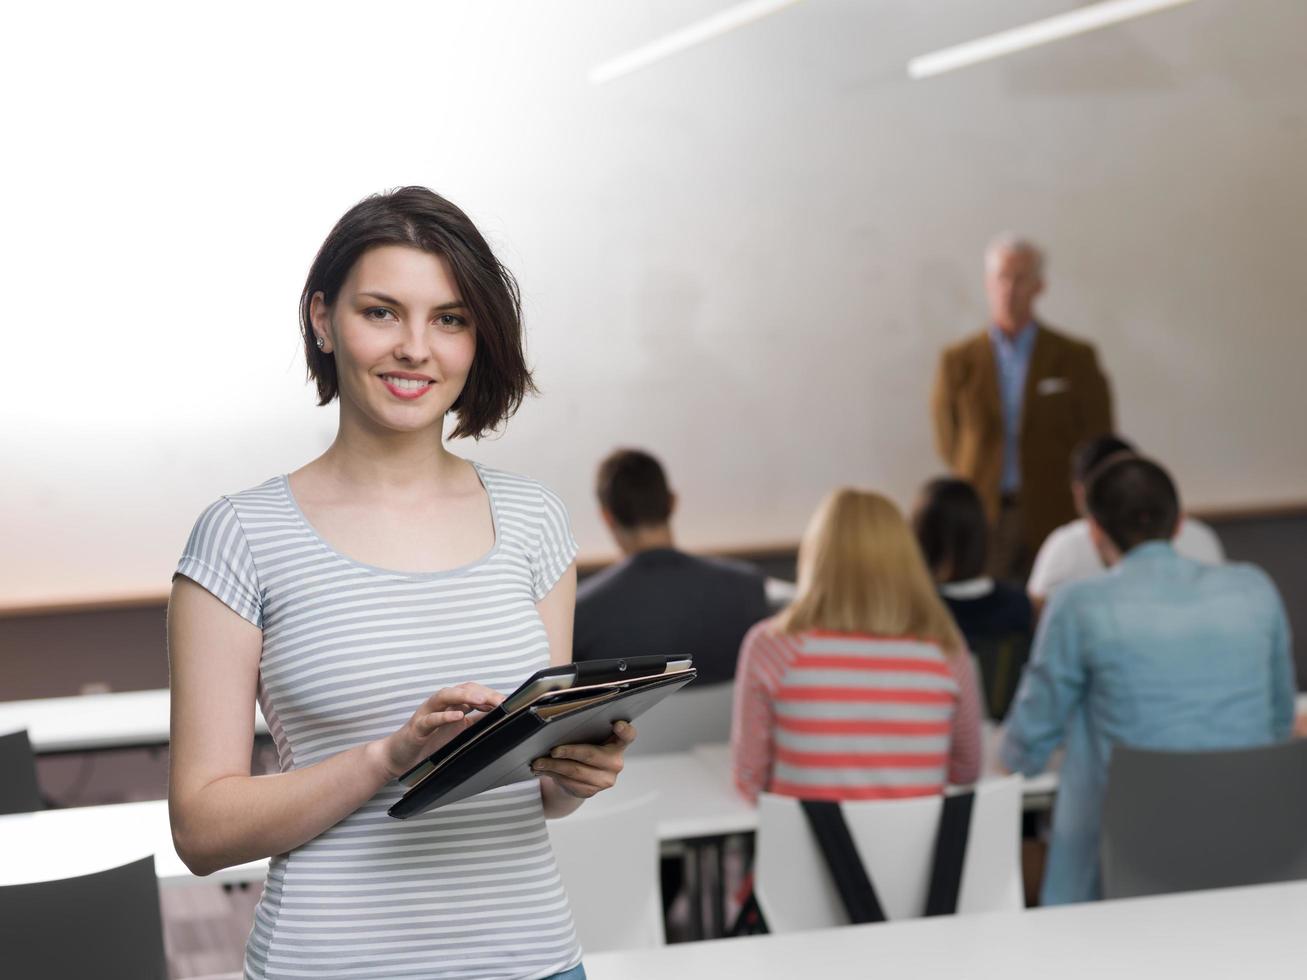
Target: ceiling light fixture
(1073, 22)
(687, 37)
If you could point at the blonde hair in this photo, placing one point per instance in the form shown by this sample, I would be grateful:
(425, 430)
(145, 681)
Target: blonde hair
(861, 571)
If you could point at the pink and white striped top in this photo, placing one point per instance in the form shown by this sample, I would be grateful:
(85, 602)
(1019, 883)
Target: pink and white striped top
(846, 716)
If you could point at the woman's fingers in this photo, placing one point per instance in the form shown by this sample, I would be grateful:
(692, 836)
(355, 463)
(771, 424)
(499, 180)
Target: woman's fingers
(573, 788)
(575, 777)
(428, 723)
(608, 755)
(584, 770)
(463, 696)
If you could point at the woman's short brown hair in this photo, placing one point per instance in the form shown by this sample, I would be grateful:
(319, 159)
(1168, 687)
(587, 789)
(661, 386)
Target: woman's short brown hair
(415, 216)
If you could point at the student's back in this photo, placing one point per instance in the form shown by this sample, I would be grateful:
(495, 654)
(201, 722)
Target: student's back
(995, 618)
(664, 601)
(1160, 652)
(1184, 655)
(861, 688)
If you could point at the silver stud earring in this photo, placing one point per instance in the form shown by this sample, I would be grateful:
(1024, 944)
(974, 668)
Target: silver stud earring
(321, 343)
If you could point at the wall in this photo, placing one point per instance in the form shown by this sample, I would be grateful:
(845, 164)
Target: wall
(746, 258)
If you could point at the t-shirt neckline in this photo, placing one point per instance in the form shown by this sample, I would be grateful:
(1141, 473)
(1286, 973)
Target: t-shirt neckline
(394, 572)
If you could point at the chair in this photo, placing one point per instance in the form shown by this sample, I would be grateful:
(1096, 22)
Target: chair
(608, 859)
(692, 716)
(896, 841)
(1181, 821)
(104, 925)
(18, 788)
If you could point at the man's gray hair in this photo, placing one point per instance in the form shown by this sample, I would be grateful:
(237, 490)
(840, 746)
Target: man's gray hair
(1011, 242)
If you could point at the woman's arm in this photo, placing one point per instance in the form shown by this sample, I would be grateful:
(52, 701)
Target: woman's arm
(220, 814)
(753, 713)
(573, 773)
(965, 749)
(557, 610)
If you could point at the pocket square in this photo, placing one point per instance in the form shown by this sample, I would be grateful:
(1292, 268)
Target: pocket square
(1051, 386)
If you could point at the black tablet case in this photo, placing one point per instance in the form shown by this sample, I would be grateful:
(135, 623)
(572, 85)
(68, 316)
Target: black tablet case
(500, 748)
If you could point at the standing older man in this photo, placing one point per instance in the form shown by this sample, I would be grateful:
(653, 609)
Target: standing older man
(1010, 404)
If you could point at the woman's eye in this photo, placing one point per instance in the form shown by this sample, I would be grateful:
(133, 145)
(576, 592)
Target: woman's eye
(378, 313)
(451, 321)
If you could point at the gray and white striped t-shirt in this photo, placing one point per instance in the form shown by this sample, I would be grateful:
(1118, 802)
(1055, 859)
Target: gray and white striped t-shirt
(349, 652)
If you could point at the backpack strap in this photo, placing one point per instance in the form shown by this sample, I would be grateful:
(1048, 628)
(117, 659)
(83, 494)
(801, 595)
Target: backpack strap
(950, 853)
(842, 861)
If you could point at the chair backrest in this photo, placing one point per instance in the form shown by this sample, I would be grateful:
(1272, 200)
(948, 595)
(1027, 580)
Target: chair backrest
(608, 859)
(1000, 659)
(692, 716)
(1180, 821)
(104, 925)
(896, 841)
(18, 787)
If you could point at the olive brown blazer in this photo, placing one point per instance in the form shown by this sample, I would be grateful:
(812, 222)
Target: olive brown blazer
(1066, 401)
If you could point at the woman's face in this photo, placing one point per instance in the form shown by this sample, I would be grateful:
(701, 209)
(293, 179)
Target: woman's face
(402, 338)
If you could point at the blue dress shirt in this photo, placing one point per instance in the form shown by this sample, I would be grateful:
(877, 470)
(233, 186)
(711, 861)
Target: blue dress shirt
(1160, 652)
(1012, 358)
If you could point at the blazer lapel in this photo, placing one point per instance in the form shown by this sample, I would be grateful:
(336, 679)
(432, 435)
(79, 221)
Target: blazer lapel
(1043, 363)
(988, 372)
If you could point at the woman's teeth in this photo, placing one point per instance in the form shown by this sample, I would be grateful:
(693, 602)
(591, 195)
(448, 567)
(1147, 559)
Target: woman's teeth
(408, 384)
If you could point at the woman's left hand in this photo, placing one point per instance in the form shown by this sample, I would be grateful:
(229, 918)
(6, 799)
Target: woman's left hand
(584, 770)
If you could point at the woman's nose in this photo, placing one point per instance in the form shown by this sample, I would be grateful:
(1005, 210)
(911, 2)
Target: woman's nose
(413, 346)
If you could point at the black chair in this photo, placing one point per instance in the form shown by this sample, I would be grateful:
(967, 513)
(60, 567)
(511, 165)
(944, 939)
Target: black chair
(105, 925)
(18, 789)
(1182, 821)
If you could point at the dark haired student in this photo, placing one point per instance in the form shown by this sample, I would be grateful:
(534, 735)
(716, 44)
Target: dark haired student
(995, 617)
(374, 600)
(659, 599)
(1068, 553)
(1162, 652)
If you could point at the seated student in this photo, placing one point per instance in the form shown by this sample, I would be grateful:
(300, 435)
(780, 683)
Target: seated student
(995, 617)
(862, 688)
(659, 600)
(1068, 554)
(1163, 652)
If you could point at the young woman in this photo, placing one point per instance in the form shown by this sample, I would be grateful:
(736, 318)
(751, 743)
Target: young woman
(375, 600)
(995, 618)
(862, 688)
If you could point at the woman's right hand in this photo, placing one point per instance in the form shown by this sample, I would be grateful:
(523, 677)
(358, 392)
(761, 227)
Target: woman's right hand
(436, 721)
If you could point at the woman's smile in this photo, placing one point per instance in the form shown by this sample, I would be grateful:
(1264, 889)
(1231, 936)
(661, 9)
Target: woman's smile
(408, 386)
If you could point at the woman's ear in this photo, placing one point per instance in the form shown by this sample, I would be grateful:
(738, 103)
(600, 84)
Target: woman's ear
(320, 318)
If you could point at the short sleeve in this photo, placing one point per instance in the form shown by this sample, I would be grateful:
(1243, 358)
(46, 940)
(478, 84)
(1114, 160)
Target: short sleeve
(555, 547)
(218, 558)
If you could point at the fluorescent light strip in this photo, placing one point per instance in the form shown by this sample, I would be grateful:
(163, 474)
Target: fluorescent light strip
(687, 37)
(1073, 22)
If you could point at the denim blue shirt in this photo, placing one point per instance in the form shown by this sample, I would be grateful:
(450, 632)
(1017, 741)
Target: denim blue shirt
(1161, 652)
(1012, 358)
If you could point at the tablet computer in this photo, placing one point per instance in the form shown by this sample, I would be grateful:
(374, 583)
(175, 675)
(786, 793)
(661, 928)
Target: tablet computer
(555, 706)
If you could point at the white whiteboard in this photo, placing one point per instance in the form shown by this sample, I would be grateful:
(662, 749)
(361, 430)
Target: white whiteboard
(744, 259)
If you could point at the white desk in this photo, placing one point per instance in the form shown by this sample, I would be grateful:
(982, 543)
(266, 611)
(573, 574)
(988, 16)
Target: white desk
(95, 721)
(692, 802)
(80, 840)
(697, 795)
(1238, 932)
(696, 799)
